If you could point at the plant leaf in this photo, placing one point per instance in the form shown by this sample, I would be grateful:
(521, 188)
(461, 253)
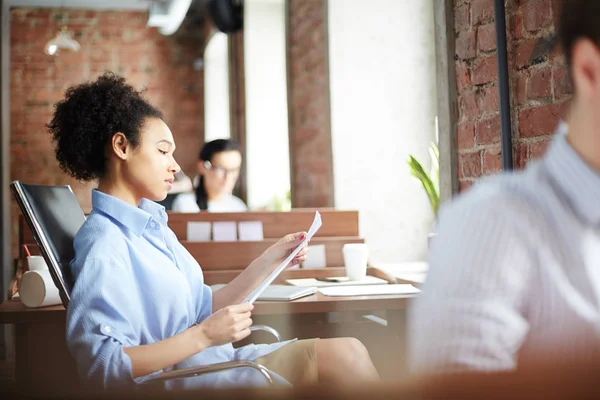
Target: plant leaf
(435, 165)
(418, 172)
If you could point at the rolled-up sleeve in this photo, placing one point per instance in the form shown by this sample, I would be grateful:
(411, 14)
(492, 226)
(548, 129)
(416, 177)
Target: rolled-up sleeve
(97, 326)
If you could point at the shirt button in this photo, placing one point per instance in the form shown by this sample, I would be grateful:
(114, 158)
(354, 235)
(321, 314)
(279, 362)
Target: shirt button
(153, 224)
(107, 329)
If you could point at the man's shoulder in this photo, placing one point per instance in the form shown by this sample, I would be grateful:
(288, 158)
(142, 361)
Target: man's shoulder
(516, 195)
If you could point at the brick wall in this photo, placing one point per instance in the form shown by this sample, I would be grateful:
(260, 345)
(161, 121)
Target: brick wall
(309, 111)
(539, 84)
(116, 41)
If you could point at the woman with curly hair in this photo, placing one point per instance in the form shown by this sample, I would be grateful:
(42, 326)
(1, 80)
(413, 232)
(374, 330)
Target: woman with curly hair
(139, 304)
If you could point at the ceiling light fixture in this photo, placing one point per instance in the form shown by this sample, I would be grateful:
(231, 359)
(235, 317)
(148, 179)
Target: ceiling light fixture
(62, 41)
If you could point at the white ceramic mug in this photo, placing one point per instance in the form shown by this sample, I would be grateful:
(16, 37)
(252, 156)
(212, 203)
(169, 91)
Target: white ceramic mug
(355, 260)
(36, 263)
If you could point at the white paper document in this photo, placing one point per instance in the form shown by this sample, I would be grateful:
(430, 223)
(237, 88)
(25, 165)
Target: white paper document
(261, 288)
(198, 231)
(224, 231)
(251, 231)
(369, 290)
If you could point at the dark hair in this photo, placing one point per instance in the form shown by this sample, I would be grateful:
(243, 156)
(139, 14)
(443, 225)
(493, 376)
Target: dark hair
(206, 154)
(89, 116)
(578, 19)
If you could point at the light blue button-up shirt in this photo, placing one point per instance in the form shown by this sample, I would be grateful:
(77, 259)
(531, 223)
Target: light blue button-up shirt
(135, 284)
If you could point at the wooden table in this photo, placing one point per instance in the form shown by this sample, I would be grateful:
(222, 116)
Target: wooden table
(42, 360)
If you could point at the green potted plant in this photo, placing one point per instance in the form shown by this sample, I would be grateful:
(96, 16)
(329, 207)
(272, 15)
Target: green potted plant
(431, 181)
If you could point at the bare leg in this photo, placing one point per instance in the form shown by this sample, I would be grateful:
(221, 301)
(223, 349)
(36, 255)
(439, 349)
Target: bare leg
(344, 360)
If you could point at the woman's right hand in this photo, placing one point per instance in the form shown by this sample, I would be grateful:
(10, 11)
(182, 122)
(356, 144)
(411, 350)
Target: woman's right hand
(228, 325)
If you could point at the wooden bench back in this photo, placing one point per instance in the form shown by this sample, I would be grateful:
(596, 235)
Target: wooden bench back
(238, 255)
(276, 224)
(222, 261)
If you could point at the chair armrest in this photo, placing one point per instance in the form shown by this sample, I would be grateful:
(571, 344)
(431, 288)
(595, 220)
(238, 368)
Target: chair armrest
(268, 329)
(205, 369)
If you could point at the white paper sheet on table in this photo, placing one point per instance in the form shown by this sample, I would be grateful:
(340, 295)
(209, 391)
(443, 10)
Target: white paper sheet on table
(316, 224)
(369, 290)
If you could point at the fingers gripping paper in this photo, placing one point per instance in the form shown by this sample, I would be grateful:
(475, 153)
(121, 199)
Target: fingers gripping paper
(261, 288)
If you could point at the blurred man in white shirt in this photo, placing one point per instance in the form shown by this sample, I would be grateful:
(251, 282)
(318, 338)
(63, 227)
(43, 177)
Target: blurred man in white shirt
(515, 269)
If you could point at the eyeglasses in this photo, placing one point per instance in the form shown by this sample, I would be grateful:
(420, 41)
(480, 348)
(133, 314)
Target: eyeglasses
(220, 171)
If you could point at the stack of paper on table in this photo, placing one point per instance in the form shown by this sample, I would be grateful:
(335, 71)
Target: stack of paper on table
(369, 290)
(405, 272)
(339, 281)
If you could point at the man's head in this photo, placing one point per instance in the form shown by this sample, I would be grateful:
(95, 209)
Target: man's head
(580, 36)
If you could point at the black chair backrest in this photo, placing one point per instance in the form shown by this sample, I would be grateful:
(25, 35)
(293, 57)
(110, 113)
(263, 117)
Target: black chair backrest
(54, 217)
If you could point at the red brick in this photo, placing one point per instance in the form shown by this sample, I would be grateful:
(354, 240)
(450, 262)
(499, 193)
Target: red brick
(488, 130)
(39, 80)
(485, 70)
(516, 25)
(309, 128)
(463, 76)
(492, 161)
(486, 37)
(466, 135)
(489, 100)
(482, 10)
(519, 93)
(522, 53)
(540, 121)
(470, 164)
(539, 85)
(465, 45)
(536, 15)
(520, 155)
(562, 83)
(463, 185)
(462, 20)
(557, 56)
(538, 149)
(467, 103)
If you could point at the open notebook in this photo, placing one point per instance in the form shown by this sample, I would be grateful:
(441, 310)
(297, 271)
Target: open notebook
(279, 292)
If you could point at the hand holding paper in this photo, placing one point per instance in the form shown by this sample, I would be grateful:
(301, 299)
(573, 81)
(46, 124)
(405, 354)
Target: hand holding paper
(313, 229)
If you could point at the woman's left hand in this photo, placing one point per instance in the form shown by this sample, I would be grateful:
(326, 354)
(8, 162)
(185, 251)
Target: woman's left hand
(278, 252)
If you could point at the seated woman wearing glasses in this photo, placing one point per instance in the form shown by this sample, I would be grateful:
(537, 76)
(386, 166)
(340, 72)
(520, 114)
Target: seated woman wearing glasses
(139, 304)
(219, 168)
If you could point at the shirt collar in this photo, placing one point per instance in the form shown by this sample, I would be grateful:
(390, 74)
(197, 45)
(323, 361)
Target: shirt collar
(579, 182)
(133, 218)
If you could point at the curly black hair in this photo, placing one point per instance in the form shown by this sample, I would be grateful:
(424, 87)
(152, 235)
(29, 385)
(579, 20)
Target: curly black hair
(88, 117)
